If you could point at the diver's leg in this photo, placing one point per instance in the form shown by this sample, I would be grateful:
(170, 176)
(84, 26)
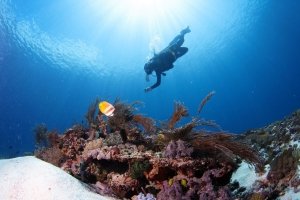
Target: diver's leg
(185, 31)
(181, 51)
(179, 39)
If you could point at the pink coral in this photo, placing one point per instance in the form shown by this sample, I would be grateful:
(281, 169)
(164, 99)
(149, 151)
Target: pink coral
(71, 166)
(106, 153)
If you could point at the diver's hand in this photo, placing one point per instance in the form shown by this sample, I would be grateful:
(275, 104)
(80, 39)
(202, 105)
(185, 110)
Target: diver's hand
(148, 89)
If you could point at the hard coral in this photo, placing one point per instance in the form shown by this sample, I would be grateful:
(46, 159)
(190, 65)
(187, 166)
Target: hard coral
(72, 167)
(102, 188)
(91, 145)
(73, 142)
(122, 184)
(103, 153)
(114, 138)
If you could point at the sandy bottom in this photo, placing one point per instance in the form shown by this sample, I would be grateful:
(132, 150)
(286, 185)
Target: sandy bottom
(29, 178)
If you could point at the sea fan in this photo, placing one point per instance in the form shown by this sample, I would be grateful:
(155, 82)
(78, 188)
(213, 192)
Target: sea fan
(224, 143)
(147, 123)
(205, 100)
(179, 112)
(90, 114)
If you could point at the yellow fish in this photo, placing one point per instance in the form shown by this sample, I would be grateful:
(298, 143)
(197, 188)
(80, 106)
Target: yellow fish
(106, 108)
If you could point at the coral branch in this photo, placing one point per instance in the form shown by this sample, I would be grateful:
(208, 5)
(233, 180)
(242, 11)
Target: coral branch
(146, 122)
(225, 144)
(205, 100)
(41, 135)
(90, 115)
(179, 112)
(123, 113)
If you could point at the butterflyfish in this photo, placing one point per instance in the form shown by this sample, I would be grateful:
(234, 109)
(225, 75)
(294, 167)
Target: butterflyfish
(106, 108)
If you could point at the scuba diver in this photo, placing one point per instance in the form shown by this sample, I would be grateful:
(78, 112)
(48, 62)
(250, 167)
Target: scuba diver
(163, 61)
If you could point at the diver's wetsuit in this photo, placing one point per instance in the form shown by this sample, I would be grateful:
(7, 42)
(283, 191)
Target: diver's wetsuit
(163, 61)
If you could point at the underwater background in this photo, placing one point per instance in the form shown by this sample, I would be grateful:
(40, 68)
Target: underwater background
(56, 57)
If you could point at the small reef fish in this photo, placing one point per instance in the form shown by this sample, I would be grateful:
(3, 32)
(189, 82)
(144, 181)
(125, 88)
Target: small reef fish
(106, 108)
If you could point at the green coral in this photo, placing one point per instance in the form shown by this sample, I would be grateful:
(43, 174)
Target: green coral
(138, 168)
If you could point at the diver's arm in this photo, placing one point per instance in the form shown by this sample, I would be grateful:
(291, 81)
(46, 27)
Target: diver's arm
(158, 80)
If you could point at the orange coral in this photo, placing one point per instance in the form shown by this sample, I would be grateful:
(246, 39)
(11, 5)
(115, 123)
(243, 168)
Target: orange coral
(179, 112)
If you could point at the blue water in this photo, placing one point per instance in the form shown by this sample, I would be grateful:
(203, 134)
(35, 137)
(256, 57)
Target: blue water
(57, 56)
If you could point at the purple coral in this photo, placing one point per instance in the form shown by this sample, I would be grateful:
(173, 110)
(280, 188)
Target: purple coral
(168, 191)
(196, 188)
(178, 149)
(207, 189)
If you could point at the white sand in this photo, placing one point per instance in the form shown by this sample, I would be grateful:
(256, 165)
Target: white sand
(28, 178)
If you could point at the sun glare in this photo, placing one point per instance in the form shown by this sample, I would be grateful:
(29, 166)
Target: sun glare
(144, 9)
(136, 13)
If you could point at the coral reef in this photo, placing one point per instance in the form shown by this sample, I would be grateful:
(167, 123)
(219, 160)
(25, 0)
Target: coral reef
(279, 144)
(127, 156)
